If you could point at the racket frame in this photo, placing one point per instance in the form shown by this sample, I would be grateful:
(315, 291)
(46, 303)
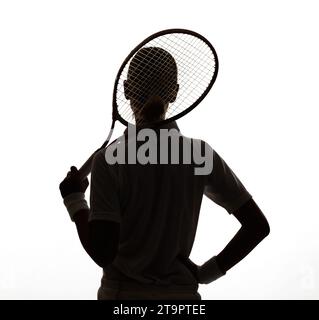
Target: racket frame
(117, 116)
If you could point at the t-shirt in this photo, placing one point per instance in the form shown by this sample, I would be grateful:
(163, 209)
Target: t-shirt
(158, 206)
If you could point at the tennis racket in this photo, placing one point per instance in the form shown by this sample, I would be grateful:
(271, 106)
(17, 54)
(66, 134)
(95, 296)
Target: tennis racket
(151, 66)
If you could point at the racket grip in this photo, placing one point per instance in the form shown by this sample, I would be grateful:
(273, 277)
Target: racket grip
(85, 170)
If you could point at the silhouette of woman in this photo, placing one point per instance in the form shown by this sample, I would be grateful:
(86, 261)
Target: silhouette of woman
(142, 219)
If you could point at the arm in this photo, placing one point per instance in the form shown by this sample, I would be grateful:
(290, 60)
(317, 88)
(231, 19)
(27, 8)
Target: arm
(225, 189)
(254, 228)
(103, 241)
(98, 238)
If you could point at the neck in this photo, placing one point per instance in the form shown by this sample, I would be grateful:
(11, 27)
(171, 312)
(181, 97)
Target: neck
(169, 125)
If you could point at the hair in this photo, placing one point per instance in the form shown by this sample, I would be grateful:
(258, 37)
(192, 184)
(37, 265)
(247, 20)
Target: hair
(152, 82)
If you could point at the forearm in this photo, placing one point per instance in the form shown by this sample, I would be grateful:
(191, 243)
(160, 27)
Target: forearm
(239, 247)
(254, 229)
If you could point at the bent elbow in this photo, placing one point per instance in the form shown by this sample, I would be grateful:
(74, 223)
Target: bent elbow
(263, 229)
(258, 229)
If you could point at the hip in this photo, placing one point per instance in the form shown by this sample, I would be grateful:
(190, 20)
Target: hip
(122, 290)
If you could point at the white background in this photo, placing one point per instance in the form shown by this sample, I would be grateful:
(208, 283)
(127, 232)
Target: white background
(58, 61)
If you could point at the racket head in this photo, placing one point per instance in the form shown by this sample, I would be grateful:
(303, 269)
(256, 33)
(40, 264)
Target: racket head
(197, 69)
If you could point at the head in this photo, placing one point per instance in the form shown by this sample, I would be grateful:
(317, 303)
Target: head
(151, 84)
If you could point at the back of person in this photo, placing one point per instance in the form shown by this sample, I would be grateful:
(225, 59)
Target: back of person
(158, 206)
(159, 210)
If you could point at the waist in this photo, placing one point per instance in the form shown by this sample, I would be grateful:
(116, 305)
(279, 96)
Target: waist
(129, 285)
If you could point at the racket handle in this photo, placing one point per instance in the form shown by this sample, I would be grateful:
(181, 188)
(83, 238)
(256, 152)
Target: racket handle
(85, 170)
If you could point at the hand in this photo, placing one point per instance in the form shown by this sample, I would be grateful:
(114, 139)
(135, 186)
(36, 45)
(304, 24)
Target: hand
(72, 183)
(193, 267)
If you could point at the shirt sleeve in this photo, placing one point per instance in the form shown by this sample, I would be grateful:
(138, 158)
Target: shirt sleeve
(224, 187)
(104, 192)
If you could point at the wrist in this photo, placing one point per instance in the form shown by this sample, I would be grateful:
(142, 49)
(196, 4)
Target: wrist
(194, 268)
(75, 202)
(209, 271)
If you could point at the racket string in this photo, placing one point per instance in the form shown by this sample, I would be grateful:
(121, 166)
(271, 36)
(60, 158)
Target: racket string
(195, 65)
(133, 78)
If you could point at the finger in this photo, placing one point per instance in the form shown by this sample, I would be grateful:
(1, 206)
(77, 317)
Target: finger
(74, 169)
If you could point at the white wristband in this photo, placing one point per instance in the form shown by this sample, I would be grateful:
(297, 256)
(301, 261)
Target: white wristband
(75, 202)
(209, 271)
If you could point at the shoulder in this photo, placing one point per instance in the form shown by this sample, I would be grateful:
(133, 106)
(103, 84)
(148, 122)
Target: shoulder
(99, 165)
(201, 153)
(200, 147)
(99, 156)
(102, 156)
(196, 141)
(103, 160)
